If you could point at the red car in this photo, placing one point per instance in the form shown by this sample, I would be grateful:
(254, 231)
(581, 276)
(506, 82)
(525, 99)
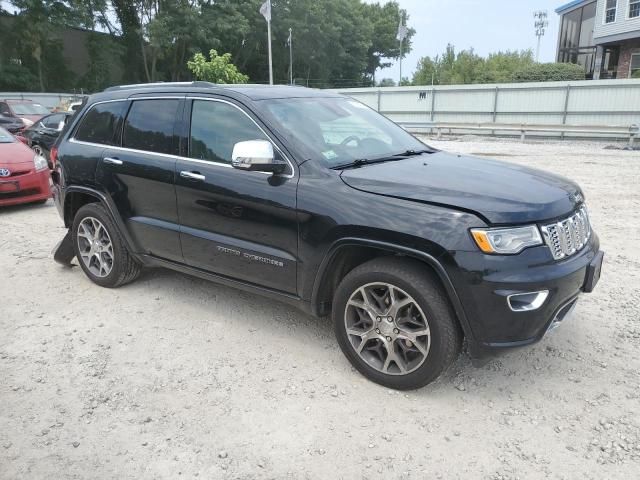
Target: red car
(26, 110)
(24, 176)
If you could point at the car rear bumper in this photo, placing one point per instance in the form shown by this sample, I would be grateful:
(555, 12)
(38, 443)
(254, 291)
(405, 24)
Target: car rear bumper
(487, 284)
(30, 187)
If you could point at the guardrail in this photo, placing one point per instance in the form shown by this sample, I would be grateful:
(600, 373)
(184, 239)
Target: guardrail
(631, 132)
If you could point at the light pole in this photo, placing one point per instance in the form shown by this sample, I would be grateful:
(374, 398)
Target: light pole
(540, 25)
(265, 10)
(290, 42)
(402, 34)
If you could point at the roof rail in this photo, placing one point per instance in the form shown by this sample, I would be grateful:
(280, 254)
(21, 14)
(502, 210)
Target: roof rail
(160, 84)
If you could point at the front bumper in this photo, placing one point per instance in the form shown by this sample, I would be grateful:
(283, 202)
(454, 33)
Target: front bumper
(485, 282)
(25, 188)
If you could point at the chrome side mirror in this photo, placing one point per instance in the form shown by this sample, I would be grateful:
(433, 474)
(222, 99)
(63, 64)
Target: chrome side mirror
(257, 156)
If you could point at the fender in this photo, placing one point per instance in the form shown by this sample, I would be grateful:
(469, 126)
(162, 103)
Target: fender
(111, 210)
(410, 252)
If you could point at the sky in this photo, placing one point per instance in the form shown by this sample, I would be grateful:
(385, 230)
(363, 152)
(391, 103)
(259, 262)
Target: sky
(486, 25)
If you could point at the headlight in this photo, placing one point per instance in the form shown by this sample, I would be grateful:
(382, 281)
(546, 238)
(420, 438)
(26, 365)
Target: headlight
(26, 122)
(507, 241)
(40, 163)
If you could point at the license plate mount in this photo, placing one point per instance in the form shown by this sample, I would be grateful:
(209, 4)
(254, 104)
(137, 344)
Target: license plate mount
(9, 187)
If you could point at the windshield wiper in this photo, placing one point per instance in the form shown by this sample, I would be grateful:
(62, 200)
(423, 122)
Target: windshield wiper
(359, 162)
(412, 153)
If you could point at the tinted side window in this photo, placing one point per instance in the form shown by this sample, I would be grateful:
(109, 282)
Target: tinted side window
(102, 124)
(216, 127)
(53, 121)
(4, 109)
(149, 126)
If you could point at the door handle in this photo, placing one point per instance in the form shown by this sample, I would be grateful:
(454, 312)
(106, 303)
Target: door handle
(192, 176)
(112, 161)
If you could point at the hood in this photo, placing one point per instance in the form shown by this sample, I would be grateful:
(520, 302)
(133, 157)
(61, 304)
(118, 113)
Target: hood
(15, 153)
(500, 192)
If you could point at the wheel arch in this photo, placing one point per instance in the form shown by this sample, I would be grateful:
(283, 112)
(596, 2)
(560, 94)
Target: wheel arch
(338, 262)
(76, 197)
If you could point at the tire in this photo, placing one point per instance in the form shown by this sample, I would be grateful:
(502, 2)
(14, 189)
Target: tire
(107, 267)
(427, 309)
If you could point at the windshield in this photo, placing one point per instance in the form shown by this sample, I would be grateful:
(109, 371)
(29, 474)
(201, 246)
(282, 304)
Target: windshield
(6, 137)
(29, 109)
(338, 130)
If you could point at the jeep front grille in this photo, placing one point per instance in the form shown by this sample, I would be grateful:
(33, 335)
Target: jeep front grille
(568, 236)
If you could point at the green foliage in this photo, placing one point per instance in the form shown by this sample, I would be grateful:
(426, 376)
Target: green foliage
(218, 69)
(387, 82)
(32, 40)
(384, 46)
(336, 43)
(16, 78)
(550, 72)
(467, 67)
(104, 53)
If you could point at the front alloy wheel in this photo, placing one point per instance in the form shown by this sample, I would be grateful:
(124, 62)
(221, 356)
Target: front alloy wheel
(393, 321)
(387, 328)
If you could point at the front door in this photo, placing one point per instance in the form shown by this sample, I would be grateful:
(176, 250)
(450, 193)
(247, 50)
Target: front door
(234, 223)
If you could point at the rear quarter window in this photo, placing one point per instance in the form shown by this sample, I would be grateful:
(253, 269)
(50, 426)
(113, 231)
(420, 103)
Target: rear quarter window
(102, 124)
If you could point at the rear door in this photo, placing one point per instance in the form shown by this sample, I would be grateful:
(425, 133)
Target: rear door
(236, 223)
(139, 175)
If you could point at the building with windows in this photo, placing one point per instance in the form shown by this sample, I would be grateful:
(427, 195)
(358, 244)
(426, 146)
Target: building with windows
(601, 35)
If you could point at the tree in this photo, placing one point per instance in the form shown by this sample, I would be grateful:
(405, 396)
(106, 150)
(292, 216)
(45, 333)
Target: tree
(501, 66)
(218, 69)
(384, 44)
(131, 37)
(467, 67)
(550, 72)
(337, 43)
(35, 39)
(387, 82)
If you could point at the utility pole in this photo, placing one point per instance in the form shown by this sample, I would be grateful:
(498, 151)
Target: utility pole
(540, 25)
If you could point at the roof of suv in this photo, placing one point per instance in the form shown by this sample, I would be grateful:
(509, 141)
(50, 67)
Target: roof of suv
(252, 91)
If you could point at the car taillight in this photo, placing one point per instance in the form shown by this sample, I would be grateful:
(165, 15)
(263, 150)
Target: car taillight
(53, 155)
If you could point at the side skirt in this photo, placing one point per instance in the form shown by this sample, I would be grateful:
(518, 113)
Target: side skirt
(294, 300)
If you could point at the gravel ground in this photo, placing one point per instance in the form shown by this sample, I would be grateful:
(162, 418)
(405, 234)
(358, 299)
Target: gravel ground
(175, 377)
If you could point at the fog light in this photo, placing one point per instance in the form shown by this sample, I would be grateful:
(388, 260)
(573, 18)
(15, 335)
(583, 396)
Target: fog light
(525, 302)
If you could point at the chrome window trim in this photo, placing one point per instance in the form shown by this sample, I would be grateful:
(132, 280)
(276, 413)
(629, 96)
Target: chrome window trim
(179, 157)
(209, 99)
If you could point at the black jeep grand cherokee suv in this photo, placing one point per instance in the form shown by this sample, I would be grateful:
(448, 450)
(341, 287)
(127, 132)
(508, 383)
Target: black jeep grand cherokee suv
(315, 199)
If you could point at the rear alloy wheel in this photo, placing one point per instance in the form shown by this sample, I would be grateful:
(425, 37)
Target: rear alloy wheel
(99, 248)
(394, 323)
(95, 247)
